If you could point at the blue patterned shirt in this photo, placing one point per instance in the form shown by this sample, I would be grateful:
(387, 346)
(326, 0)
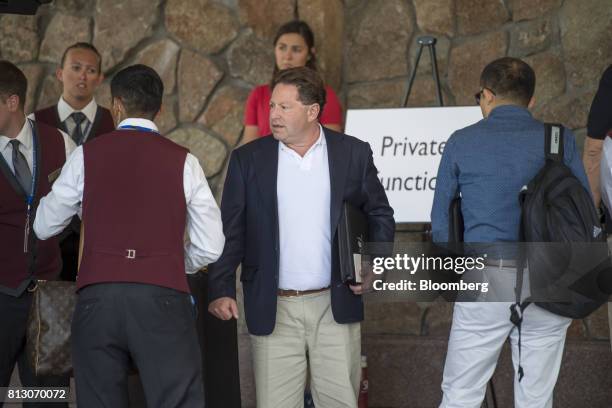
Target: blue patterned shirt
(489, 162)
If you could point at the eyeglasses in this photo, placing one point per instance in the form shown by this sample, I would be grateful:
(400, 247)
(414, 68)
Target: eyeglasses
(478, 94)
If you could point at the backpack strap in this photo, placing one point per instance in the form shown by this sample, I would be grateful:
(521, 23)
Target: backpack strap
(553, 141)
(553, 150)
(518, 308)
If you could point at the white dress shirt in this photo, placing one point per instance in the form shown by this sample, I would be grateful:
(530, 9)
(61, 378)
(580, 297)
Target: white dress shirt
(26, 145)
(303, 193)
(606, 173)
(64, 111)
(203, 227)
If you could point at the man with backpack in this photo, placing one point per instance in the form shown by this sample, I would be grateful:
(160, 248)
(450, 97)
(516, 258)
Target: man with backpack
(489, 163)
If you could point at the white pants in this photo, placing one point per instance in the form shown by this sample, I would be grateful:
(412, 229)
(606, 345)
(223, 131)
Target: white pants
(610, 303)
(478, 333)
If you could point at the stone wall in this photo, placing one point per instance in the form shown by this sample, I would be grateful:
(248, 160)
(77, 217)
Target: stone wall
(208, 53)
(566, 42)
(211, 53)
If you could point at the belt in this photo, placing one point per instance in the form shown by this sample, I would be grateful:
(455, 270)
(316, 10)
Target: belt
(293, 292)
(502, 263)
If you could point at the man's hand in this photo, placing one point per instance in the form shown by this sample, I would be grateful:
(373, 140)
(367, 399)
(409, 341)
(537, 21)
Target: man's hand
(367, 280)
(224, 308)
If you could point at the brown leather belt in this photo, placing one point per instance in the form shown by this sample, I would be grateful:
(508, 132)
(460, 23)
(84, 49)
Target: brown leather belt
(293, 292)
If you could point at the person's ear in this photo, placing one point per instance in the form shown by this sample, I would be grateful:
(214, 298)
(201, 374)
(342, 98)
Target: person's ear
(117, 110)
(159, 113)
(488, 96)
(12, 103)
(531, 103)
(313, 112)
(59, 74)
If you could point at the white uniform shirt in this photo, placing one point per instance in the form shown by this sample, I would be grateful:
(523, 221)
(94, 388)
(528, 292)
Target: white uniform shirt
(606, 173)
(204, 226)
(26, 145)
(64, 111)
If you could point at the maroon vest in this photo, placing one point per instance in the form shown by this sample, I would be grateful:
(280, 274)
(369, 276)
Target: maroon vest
(103, 122)
(134, 210)
(16, 265)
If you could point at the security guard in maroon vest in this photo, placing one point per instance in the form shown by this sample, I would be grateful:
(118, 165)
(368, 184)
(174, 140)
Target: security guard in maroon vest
(31, 155)
(138, 192)
(78, 114)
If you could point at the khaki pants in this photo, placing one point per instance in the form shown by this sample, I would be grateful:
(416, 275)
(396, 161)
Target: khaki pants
(305, 329)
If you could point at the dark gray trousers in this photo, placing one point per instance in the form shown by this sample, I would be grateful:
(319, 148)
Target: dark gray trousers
(219, 347)
(115, 324)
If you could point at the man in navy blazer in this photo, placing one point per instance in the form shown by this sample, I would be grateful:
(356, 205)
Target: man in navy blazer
(281, 207)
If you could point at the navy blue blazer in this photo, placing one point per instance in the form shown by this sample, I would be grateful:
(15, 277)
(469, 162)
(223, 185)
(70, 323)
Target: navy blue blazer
(250, 223)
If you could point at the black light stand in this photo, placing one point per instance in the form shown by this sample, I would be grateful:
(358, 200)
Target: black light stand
(429, 42)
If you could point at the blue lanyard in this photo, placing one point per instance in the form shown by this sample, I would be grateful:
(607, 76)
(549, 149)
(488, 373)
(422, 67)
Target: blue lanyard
(30, 197)
(133, 127)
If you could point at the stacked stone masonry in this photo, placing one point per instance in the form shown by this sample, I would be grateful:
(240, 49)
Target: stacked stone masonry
(210, 53)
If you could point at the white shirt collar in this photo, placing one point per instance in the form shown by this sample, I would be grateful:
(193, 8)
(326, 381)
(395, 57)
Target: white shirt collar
(64, 110)
(24, 136)
(145, 123)
(321, 141)
(606, 173)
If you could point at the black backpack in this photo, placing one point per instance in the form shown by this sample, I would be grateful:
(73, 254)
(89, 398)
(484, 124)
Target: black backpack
(564, 246)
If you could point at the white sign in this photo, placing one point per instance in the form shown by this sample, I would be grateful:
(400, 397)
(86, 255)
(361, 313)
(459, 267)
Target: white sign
(407, 144)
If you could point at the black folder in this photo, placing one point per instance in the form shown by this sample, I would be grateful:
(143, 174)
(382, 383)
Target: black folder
(455, 221)
(352, 238)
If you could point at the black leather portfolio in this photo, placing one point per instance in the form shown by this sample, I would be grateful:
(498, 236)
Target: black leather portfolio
(455, 221)
(352, 237)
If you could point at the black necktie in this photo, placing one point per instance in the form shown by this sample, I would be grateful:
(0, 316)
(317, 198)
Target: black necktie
(22, 170)
(77, 134)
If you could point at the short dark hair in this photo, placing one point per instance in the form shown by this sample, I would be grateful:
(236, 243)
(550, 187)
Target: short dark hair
(12, 82)
(308, 82)
(303, 29)
(83, 46)
(510, 78)
(140, 89)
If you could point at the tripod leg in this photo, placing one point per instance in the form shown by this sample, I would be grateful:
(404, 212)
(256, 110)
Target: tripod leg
(413, 75)
(436, 77)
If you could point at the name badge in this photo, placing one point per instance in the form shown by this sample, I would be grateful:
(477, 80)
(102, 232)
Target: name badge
(54, 175)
